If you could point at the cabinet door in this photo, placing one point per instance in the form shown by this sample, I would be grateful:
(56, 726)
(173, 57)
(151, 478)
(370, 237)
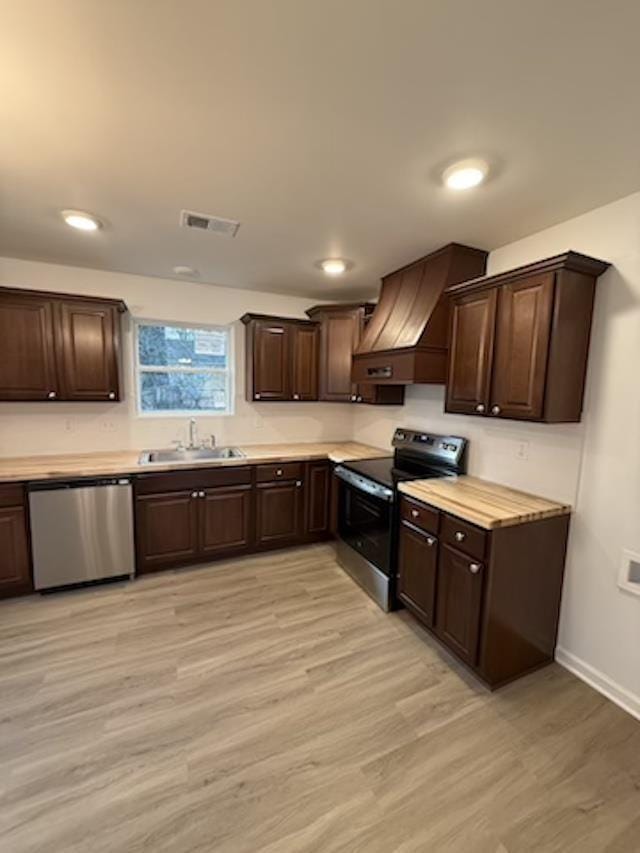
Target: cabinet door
(15, 572)
(459, 600)
(305, 362)
(225, 520)
(417, 570)
(27, 354)
(271, 361)
(339, 337)
(471, 353)
(166, 529)
(318, 497)
(523, 330)
(89, 342)
(279, 513)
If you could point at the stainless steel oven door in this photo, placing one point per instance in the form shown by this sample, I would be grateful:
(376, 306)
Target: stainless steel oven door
(365, 510)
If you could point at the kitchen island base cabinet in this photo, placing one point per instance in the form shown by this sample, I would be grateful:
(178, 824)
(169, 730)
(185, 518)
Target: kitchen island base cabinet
(15, 562)
(493, 598)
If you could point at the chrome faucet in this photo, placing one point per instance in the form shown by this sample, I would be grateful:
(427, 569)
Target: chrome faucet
(193, 434)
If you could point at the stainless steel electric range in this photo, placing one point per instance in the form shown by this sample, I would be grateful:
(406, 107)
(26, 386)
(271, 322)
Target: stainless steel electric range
(367, 504)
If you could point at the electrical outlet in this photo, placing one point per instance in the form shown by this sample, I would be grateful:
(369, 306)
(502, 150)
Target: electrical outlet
(107, 426)
(522, 450)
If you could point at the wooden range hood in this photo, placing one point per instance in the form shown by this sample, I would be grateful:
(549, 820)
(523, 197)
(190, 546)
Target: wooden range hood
(406, 339)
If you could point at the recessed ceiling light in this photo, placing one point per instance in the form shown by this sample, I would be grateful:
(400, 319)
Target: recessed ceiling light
(184, 270)
(81, 220)
(334, 266)
(465, 174)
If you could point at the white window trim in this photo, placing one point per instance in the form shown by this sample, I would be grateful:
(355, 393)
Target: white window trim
(184, 413)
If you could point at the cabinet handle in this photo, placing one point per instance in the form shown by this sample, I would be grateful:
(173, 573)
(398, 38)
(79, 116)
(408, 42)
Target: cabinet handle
(112, 395)
(495, 410)
(480, 408)
(296, 396)
(358, 399)
(298, 483)
(201, 494)
(278, 472)
(431, 541)
(414, 513)
(256, 396)
(353, 398)
(194, 494)
(460, 537)
(474, 568)
(51, 395)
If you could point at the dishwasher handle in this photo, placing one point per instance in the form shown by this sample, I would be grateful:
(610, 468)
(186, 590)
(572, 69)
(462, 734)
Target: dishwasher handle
(90, 483)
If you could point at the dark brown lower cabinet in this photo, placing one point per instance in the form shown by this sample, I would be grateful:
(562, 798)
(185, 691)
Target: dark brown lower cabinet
(419, 564)
(279, 513)
(318, 499)
(225, 520)
(167, 530)
(15, 562)
(491, 596)
(460, 580)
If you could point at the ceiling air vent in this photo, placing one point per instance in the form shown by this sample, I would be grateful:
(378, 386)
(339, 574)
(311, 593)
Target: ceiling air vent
(224, 227)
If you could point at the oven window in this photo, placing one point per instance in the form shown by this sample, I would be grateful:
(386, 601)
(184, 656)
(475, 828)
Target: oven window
(365, 524)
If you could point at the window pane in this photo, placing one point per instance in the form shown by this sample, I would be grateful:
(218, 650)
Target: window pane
(175, 346)
(172, 392)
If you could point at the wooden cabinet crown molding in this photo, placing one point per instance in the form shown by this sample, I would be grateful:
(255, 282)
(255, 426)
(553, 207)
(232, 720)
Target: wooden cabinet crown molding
(572, 261)
(57, 296)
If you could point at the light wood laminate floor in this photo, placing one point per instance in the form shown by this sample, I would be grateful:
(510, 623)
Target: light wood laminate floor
(266, 704)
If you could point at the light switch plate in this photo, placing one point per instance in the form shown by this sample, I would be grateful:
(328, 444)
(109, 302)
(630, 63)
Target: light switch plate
(629, 579)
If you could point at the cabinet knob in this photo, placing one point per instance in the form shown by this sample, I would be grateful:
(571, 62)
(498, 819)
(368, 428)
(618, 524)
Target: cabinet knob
(480, 408)
(194, 494)
(354, 398)
(256, 396)
(414, 513)
(431, 541)
(112, 395)
(278, 472)
(358, 399)
(460, 536)
(495, 410)
(298, 483)
(52, 395)
(474, 568)
(296, 396)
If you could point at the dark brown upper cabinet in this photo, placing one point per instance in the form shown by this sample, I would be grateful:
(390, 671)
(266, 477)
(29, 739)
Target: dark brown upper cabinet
(519, 341)
(58, 347)
(281, 358)
(341, 328)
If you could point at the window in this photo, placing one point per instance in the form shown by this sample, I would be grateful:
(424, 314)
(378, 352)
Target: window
(184, 369)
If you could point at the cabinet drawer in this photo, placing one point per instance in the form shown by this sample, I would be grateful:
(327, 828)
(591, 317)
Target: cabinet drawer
(281, 471)
(196, 478)
(420, 515)
(464, 537)
(12, 495)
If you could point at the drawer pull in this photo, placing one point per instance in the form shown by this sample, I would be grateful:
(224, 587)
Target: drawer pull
(474, 568)
(278, 472)
(200, 494)
(298, 483)
(414, 513)
(194, 494)
(460, 536)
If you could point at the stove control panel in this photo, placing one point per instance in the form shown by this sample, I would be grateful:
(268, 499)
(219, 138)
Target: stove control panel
(448, 450)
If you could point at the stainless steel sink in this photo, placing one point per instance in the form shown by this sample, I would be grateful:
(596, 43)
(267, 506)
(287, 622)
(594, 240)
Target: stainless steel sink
(203, 454)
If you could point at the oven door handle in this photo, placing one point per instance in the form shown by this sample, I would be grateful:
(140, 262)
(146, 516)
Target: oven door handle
(363, 484)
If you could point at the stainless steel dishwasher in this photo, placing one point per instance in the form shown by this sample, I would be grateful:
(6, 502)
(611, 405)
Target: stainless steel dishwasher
(81, 530)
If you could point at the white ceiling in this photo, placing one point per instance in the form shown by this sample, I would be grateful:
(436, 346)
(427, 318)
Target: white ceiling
(322, 125)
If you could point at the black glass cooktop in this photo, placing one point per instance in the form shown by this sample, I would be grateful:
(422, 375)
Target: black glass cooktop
(387, 472)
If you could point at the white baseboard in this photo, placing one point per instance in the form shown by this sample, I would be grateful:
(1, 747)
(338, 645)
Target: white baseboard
(627, 700)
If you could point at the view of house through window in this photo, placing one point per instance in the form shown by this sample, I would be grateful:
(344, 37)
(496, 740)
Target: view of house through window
(184, 369)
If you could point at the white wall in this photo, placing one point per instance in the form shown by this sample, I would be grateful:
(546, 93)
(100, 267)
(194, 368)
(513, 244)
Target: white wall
(594, 465)
(40, 428)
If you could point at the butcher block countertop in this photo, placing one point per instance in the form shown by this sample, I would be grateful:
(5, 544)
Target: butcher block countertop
(16, 469)
(481, 502)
